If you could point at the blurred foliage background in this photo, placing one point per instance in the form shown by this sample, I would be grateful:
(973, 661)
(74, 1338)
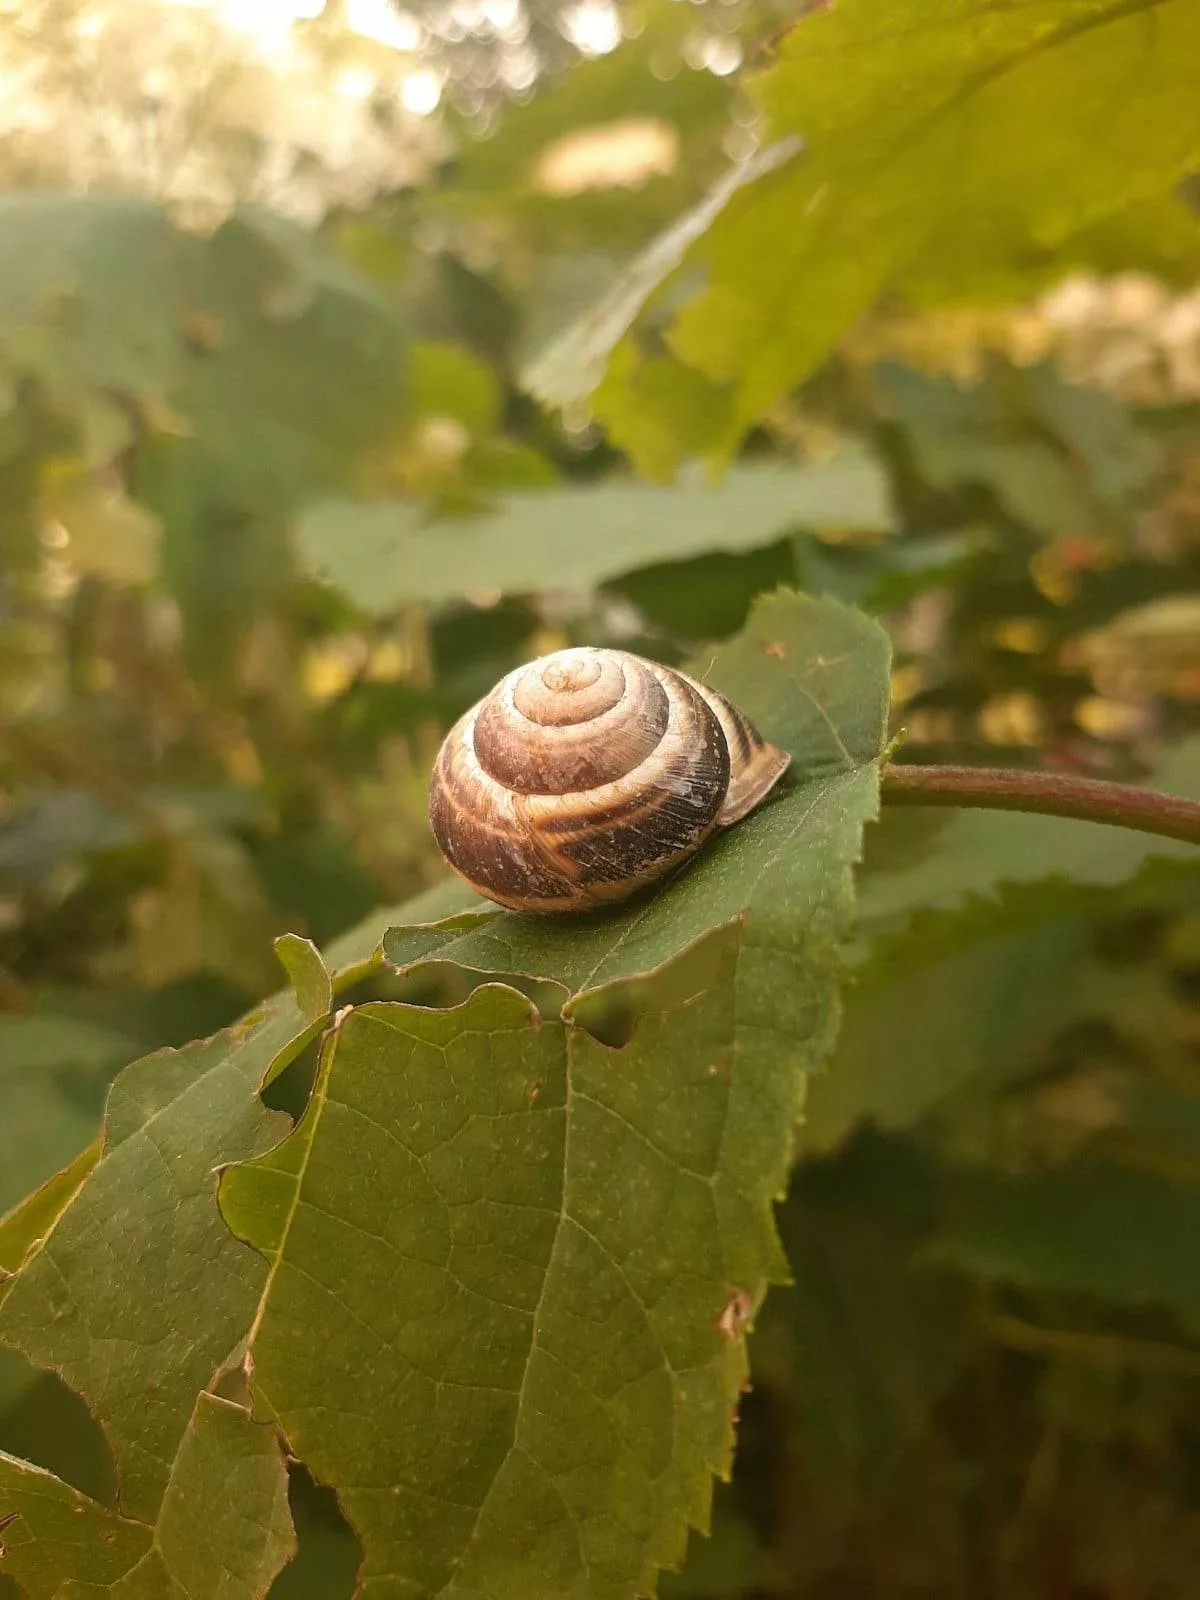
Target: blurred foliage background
(276, 506)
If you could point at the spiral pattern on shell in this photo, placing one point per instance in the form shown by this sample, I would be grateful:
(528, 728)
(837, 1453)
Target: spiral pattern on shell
(588, 773)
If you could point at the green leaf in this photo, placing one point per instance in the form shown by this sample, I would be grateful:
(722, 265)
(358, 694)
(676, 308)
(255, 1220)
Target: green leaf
(978, 435)
(358, 952)
(658, 412)
(203, 1104)
(1118, 1234)
(1160, 235)
(708, 597)
(139, 1296)
(942, 139)
(54, 1071)
(1119, 457)
(974, 932)
(515, 1350)
(573, 538)
(225, 342)
(941, 1011)
(223, 1531)
(29, 1222)
(642, 95)
(1053, 453)
(208, 915)
(943, 860)
(309, 974)
(862, 1344)
(573, 364)
(449, 381)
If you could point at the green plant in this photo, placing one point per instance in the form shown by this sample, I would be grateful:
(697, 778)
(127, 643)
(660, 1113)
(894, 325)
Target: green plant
(435, 1273)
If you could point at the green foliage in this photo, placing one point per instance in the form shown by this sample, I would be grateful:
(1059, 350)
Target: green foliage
(169, 1122)
(223, 1527)
(1054, 456)
(904, 186)
(55, 1072)
(981, 926)
(575, 364)
(208, 358)
(486, 1131)
(382, 555)
(444, 1272)
(1082, 1229)
(216, 346)
(310, 977)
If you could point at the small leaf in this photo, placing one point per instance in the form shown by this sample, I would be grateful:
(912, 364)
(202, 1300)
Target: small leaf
(309, 974)
(28, 1224)
(573, 538)
(223, 1533)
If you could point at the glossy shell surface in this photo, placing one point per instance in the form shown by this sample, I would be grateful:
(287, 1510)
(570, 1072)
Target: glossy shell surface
(588, 773)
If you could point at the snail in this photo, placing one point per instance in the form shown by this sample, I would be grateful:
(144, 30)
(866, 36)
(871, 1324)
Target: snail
(589, 773)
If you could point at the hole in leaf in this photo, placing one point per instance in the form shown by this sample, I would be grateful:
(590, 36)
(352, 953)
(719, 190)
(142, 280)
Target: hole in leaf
(290, 1090)
(328, 1553)
(611, 1014)
(44, 1422)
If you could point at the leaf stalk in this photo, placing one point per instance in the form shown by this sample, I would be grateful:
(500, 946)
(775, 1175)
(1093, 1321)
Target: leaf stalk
(1053, 794)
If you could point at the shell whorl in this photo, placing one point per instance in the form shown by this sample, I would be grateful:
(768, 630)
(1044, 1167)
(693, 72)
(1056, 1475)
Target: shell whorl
(588, 773)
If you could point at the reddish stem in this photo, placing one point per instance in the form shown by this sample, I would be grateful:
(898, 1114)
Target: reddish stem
(1054, 794)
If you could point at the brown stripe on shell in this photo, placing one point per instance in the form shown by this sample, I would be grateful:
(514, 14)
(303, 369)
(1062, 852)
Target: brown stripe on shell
(562, 759)
(565, 757)
(755, 766)
(591, 797)
(657, 813)
(481, 831)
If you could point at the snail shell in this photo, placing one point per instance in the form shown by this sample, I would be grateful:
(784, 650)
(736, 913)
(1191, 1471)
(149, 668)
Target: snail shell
(589, 773)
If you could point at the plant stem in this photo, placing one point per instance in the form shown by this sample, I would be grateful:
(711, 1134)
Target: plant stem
(1054, 794)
